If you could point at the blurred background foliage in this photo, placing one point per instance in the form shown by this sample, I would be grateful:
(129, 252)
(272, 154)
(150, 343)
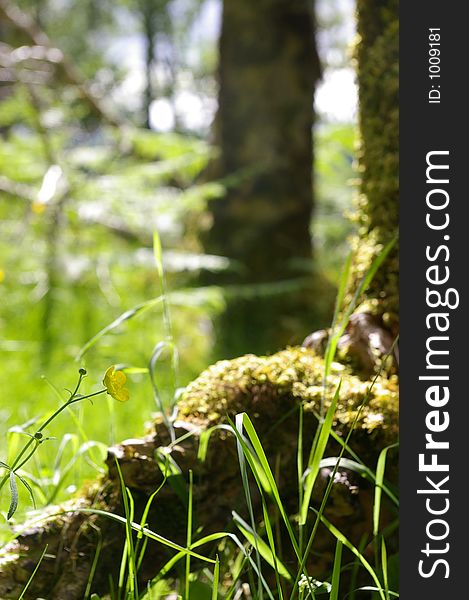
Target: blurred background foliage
(105, 114)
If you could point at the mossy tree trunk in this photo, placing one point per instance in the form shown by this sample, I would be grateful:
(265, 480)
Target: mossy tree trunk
(267, 73)
(377, 56)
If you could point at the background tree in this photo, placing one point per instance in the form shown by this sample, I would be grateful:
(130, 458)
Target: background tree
(268, 68)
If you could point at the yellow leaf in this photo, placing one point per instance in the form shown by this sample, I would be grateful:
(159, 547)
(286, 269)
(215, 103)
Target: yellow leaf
(114, 382)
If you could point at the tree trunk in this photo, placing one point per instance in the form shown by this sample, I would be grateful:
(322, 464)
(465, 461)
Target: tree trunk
(267, 73)
(370, 332)
(148, 25)
(378, 201)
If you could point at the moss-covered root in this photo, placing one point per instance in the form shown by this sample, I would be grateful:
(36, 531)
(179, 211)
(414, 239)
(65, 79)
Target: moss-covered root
(269, 389)
(64, 569)
(366, 346)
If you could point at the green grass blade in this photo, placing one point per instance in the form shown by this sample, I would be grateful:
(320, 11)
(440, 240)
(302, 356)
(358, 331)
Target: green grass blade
(213, 538)
(31, 577)
(330, 349)
(380, 469)
(261, 470)
(94, 564)
(331, 478)
(128, 314)
(158, 255)
(216, 578)
(368, 473)
(348, 544)
(360, 468)
(189, 536)
(138, 528)
(356, 567)
(164, 408)
(384, 567)
(370, 588)
(335, 581)
(129, 550)
(143, 522)
(299, 473)
(244, 454)
(267, 553)
(317, 454)
(204, 439)
(172, 471)
(365, 282)
(278, 566)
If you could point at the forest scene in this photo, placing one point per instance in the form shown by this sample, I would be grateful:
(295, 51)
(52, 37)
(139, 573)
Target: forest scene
(199, 312)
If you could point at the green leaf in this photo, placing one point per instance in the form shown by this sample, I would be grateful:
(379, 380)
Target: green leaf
(14, 496)
(158, 254)
(384, 567)
(173, 473)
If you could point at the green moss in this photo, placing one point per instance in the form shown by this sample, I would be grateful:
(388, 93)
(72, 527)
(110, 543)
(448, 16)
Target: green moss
(268, 387)
(377, 55)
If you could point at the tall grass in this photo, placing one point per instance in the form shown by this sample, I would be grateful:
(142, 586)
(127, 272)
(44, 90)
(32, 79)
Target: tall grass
(249, 563)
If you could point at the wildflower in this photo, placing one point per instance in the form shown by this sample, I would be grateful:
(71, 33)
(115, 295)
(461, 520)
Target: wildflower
(309, 582)
(38, 207)
(114, 382)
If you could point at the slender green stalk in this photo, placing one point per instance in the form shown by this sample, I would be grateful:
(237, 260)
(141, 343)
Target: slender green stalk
(25, 589)
(300, 471)
(37, 438)
(189, 537)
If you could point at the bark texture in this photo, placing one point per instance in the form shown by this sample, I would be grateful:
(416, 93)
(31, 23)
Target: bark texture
(267, 74)
(377, 56)
(268, 68)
